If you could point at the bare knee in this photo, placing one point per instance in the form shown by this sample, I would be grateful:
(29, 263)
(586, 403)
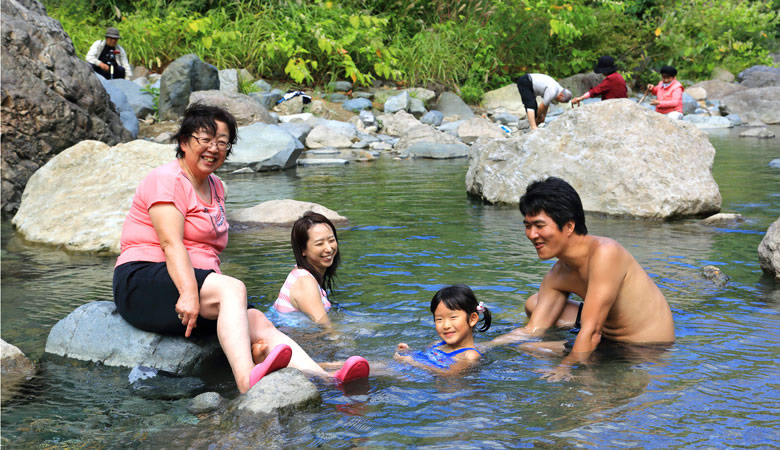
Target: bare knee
(220, 291)
(530, 304)
(258, 320)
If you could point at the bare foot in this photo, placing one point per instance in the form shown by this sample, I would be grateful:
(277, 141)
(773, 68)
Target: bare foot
(259, 351)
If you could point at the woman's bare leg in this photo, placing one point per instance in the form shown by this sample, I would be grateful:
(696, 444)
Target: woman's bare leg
(262, 329)
(224, 298)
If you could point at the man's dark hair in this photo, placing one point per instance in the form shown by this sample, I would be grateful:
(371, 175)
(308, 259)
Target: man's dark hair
(558, 200)
(199, 116)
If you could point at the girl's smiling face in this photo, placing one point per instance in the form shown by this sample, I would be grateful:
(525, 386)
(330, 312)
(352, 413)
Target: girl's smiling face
(321, 247)
(455, 326)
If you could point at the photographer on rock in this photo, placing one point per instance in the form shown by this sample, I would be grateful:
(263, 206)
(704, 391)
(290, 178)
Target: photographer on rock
(108, 58)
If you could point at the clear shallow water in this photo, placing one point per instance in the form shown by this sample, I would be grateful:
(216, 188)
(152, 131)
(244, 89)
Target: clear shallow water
(413, 229)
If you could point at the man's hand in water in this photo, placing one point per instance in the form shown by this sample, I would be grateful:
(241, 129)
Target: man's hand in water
(560, 373)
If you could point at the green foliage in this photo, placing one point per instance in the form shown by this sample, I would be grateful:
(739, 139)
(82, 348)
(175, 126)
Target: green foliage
(698, 35)
(155, 93)
(470, 45)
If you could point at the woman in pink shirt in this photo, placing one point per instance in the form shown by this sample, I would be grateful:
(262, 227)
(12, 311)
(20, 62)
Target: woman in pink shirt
(167, 278)
(668, 94)
(315, 245)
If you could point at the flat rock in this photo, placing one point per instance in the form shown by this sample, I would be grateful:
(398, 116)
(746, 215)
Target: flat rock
(96, 332)
(281, 213)
(757, 132)
(622, 159)
(322, 161)
(435, 150)
(281, 392)
(723, 219)
(97, 183)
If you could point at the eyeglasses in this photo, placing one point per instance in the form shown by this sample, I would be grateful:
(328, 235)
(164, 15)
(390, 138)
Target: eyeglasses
(208, 142)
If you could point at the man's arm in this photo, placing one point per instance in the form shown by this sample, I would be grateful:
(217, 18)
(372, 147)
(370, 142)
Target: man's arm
(605, 275)
(549, 305)
(541, 113)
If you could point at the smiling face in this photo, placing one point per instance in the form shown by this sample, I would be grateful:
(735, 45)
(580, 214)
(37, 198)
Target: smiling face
(454, 326)
(202, 160)
(543, 232)
(321, 247)
(666, 78)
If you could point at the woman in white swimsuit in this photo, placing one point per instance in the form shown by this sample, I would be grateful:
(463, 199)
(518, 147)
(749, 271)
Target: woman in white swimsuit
(316, 248)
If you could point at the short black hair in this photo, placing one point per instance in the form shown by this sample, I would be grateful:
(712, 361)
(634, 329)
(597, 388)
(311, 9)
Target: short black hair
(460, 297)
(199, 116)
(668, 70)
(557, 199)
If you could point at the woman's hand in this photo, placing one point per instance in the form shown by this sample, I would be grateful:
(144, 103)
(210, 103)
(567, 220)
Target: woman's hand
(188, 308)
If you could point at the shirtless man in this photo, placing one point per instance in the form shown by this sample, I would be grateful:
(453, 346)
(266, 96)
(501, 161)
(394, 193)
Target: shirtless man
(621, 302)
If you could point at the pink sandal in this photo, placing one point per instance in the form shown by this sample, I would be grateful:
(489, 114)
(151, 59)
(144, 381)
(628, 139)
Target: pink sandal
(277, 359)
(354, 368)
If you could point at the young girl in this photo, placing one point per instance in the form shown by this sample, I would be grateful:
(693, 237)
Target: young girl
(315, 245)
(455, 312)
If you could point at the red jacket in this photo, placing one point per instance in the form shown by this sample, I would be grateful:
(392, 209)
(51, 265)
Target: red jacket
(613, 86)
(669, 96)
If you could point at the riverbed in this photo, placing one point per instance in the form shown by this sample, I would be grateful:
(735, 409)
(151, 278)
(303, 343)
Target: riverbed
(413, 229)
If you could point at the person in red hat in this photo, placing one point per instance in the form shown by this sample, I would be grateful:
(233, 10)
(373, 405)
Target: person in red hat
(613, 85)
(108, 58)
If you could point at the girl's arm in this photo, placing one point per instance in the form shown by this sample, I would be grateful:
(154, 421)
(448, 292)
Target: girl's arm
(305, 295)
(465, 360)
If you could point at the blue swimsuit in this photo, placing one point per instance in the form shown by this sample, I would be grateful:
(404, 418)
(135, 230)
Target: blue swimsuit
(436, 357)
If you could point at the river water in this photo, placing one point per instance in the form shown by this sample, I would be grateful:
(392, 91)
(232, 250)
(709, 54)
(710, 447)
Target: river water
(412, 230)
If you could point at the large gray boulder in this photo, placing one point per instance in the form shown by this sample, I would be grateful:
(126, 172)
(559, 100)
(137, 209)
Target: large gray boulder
(754, 105)
(228, 81)
(264, 147)
(96, 332)
(181, 78)
(280, 213)
(97, 183)
(580, 83)
(51, 98)
(451, 105)
(759, 76)
(16, 369)
(141, 102)
(244, 108)
(623, 160)
(122, 104)
(506, 99)
(397, 103)
(703, 121)
(769, 251)
(717, 89)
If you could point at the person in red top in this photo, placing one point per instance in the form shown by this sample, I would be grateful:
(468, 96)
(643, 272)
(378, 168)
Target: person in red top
(669, 93)
(613, 85)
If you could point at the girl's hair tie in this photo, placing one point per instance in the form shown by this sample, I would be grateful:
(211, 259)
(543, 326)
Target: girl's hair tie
(481, 307)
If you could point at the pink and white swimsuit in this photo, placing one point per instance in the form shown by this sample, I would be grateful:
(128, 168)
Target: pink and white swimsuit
(283, 305)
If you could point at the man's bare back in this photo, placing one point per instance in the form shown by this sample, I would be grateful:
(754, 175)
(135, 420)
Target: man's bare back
(639, 312)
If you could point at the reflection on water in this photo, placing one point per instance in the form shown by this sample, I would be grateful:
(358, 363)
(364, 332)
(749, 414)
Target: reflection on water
(413, 229)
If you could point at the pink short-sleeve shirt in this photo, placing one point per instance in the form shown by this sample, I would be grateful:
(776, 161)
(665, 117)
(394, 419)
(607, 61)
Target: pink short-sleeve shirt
(205, 224)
